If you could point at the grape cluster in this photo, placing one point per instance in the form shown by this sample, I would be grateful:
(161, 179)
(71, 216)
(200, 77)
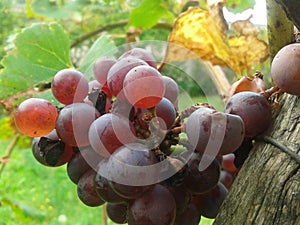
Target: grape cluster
(120, 137)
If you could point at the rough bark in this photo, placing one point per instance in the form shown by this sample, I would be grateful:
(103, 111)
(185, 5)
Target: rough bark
(267, 189)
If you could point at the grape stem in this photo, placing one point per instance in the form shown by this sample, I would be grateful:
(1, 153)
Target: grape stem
(104, 216)
(280, 146)
(8, 151)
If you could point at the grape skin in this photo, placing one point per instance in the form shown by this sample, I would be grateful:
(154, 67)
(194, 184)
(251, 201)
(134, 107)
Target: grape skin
(143, 87)
(254, 110)
(285, 69)
(35, 117)
(69, 86)
(73, 123)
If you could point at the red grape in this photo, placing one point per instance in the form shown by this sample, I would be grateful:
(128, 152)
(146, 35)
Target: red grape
(143, 87)
(227, 179)
(254, 110)
(35, 117)
(82, 161)
(198, 182)
(117, 212)
(171, 90)
(211, 132)
(73, 123)
(109, 132)
(209, 203)
(228, 163)
(101, 68)
(155, 207)
(132, 171)
(86, 191)
(285, 69)
(140, 53)
(190, 216)
(117, 73)
(69, 86)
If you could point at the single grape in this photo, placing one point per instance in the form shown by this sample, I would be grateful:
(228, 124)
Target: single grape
(228, 163)
(254, 110)
(285, 69)
(73, 123)
(143, 87)
(132, 171)
(190, 216)
(117, 73)
(102, 186)
(211, 132)
(227, 179)
(69, 86)
(140, 53)
(117, 212)
(154, 207)
(171, 90)
(109, 132)
(50, 151)
(209, 203)
(86, 191)
(198, 182)
(182, 198)
(242, 153)
(101, 68)
(35, 117)
(83, 160)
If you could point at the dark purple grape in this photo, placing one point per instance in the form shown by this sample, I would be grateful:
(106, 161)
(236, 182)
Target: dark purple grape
(81, 162)
(103, 188)
(254, 110)
(117, 212)
(142, 54)
(69, 86)
(73, 123)
(211, 132)
(199, 181)
(190, 216)
(182, 198)
(209, 203)
(154, 207)
(117, 73)
(242, 153)
(132, 171)
(109, 132)
(86, 191)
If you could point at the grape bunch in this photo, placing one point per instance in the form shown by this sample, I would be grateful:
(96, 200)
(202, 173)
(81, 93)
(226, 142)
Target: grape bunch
(125, 144)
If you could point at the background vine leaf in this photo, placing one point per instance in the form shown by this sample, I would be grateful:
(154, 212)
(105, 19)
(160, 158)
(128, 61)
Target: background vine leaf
(40, 51)
(197, 31)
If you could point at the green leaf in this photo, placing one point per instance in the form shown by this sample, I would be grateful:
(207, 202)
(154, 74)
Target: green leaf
(22, 211)
(40, 51)
(238, 6)
(52, 10)
(148, 14)
(102, 47)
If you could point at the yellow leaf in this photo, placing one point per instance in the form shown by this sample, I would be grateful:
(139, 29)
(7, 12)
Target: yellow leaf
(196, 34)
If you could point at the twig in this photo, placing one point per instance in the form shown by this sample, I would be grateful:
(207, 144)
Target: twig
(111, 26)
(9, 150)
(280, 146)
(104, 215)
